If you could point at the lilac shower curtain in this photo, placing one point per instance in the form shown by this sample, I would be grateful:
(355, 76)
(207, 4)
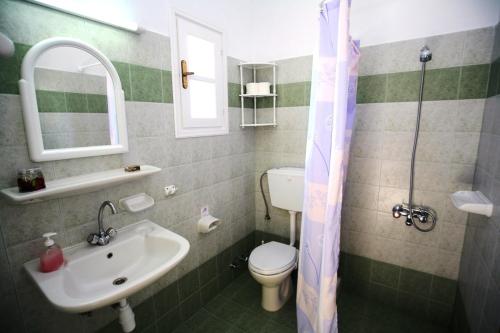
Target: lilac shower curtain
(331, 115)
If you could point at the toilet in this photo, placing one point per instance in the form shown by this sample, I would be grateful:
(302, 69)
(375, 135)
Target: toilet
(271, 264)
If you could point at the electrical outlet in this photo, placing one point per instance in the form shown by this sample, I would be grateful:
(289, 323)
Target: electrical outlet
(170, 190)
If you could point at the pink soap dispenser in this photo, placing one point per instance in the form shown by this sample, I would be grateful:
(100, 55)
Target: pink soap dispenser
(52, 258)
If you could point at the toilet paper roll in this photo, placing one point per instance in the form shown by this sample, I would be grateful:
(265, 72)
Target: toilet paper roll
(207, 223)
(252, 88)
(264, 88)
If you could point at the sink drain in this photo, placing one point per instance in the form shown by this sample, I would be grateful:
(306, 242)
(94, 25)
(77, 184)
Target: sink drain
(119, 281)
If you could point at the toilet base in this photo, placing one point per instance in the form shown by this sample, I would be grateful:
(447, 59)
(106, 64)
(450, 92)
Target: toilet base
(273, 298)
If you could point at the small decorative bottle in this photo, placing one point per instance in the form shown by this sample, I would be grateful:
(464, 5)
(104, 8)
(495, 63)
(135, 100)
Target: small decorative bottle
(29, 180)
(52, 258)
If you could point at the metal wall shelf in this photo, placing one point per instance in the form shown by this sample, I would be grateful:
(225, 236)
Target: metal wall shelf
(254, 67)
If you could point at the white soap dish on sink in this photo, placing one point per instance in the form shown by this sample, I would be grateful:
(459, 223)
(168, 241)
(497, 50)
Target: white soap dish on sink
(472, 202)
(136, 203)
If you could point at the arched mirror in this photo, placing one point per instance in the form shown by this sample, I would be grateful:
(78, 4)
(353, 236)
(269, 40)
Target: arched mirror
(73, 102)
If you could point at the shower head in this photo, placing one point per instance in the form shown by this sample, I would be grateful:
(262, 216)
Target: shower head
(425, 54)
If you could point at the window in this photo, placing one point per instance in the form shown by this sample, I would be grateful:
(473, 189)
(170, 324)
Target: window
(199, 78)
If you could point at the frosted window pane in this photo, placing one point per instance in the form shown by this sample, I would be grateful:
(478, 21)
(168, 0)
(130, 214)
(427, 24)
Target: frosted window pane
(201, 59)
(202, 98)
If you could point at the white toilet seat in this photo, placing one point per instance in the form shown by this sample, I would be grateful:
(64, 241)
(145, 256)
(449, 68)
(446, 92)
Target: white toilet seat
(272, 258)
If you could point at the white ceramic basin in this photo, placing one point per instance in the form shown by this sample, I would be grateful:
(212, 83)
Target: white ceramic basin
(141, 253)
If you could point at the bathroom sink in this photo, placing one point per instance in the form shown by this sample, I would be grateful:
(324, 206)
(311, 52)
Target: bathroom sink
(96, 276)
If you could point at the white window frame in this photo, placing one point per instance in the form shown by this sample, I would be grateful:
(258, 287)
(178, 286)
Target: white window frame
(181, 130)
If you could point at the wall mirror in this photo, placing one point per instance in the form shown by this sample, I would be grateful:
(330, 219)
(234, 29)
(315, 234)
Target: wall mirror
(73, 102)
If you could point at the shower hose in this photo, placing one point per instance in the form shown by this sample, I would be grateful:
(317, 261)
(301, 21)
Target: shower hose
(409, 220)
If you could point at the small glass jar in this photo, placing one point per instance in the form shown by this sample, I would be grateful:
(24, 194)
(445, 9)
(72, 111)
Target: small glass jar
(29, 180)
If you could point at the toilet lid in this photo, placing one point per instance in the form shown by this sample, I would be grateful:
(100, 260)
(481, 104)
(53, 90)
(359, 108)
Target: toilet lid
(272, 258)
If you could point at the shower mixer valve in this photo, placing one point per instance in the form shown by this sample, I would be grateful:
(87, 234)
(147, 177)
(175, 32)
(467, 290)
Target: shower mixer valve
(423, 214)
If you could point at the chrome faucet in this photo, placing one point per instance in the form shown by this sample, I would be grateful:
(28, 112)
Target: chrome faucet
(102, 237)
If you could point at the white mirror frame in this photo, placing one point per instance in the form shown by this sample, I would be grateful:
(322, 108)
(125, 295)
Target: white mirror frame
(32, 117)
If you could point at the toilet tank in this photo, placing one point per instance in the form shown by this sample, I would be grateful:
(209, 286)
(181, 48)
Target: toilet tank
(286, 187)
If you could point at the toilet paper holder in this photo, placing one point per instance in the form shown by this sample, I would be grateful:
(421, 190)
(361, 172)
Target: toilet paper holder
(207, 223)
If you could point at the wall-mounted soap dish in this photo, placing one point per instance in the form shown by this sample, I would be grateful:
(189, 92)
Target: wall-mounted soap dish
(136, 203)
(472, 202)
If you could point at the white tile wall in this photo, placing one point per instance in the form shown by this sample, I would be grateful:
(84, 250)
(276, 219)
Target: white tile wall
(214, 171)
(450, 50)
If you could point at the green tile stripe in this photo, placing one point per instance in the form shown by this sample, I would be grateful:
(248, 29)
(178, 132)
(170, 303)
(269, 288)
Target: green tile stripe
(139, 83)
(147, 84)
(494, 79)
(68, 102)
(10, 70)
(400, 287)
(467, 82)
(233, 94)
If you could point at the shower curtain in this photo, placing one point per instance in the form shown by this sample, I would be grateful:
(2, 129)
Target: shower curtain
(331, 116)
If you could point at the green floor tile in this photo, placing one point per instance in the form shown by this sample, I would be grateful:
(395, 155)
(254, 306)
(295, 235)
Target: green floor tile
(272, 327)
(250, 321)
(229, 310)
(439, 313)
(209, 291)
(237, 309)
(170, 322)
(182, 328)
(247, 297)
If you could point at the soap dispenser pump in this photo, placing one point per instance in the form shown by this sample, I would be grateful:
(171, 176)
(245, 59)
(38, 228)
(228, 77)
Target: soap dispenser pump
(52, 257)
